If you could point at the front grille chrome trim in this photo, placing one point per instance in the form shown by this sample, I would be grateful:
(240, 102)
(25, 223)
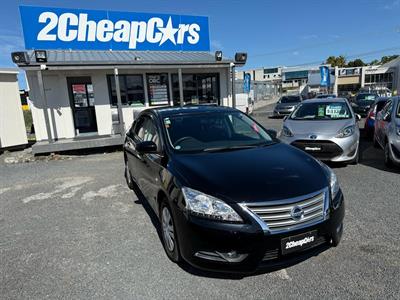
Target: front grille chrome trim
(274, 216)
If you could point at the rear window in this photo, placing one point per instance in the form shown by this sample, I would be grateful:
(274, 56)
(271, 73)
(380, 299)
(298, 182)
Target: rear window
(290, 99)
(366, 97)
(380, 105)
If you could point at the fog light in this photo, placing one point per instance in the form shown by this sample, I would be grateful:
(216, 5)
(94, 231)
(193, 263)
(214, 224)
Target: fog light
(231, 257)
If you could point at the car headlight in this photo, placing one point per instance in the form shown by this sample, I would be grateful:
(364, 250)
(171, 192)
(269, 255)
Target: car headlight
(208, 206)
(345, 132)
(333, 181)
(286, 132)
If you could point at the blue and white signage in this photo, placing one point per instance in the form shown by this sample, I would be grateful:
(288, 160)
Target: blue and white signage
(325, 76)
(246, 82)
(61, 28)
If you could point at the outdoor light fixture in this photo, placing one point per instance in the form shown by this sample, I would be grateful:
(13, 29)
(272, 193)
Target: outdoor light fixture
(20, 57)
(241, 57)
(218, 55)
(41, 55)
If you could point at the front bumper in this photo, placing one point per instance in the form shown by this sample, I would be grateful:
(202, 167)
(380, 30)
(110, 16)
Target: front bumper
(260, 249)
(327, 148)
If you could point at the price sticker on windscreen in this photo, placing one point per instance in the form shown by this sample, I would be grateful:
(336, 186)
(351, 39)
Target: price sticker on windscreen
(333, 111)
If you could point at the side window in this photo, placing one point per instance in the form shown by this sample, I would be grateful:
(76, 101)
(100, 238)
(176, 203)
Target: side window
(138, 129)
(150, 132)
(240, 127)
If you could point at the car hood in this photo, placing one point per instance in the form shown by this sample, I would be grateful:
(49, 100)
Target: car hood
(273, 172)
(327, 127)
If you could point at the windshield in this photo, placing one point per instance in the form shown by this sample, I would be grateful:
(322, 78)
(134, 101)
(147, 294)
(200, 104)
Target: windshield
(214, 132)
(290, 99)
(366, 97)
(326, 96)
(322, 111)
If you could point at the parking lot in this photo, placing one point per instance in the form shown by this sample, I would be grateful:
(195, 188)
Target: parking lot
(72, 229)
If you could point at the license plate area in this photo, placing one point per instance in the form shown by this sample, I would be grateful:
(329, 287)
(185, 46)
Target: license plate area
(299, 242)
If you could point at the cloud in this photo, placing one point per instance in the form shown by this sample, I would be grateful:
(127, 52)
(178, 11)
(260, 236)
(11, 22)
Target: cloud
(392, 5)
(295, 53)
(216, 45)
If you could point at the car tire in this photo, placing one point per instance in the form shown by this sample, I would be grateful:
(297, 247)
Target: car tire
(335, 240)
(168, 233)
(388, 159)
(128, 177)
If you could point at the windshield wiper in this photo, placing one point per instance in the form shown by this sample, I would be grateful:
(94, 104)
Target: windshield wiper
(231, 148)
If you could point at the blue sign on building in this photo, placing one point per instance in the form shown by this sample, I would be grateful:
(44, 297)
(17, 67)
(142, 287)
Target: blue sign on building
(60, 28)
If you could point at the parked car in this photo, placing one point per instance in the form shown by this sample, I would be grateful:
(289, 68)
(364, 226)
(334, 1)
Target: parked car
(218, 182)
(286, 105)
(370, 119)
(322, 96)
(387, 131)
(325, 128)
(363, 103)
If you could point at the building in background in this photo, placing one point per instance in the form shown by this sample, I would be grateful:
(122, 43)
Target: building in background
(12, 124)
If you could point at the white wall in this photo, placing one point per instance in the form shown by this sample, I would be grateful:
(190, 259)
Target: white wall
(12, 124)
(60, 112)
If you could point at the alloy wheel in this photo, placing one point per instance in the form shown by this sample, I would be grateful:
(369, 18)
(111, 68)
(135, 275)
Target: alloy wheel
(168, 229)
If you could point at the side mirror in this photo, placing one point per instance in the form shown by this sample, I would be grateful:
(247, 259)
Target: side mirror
(358, 117)
(285, 118)
(146, 147)
(272, 133)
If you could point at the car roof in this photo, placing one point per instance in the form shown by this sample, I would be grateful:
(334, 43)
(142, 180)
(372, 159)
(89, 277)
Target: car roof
(322, 100)
(167, 111)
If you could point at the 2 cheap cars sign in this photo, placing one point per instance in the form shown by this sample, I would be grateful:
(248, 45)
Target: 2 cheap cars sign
(60, 28)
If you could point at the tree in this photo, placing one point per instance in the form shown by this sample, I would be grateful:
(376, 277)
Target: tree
(355, 63)
(339, 61)
(374, 62)
(388, 58)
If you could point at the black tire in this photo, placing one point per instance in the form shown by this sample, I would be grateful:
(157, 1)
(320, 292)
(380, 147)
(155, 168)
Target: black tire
(172, 252)
(128, 177)
(388, 160)
(335, 241)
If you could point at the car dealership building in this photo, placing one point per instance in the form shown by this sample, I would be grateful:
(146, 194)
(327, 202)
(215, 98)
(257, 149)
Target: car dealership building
(88, 97)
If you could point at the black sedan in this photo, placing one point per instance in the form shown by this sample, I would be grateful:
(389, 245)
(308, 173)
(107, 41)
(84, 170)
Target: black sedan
(228, 194)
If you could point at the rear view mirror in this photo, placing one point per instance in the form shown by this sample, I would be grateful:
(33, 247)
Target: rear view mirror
(387, 118)
(146, 147)
(358, 117)
(272, 133)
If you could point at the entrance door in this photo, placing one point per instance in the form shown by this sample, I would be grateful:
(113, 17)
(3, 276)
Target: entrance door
(82, 103)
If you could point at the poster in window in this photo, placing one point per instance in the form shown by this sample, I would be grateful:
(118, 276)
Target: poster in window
(158, 89)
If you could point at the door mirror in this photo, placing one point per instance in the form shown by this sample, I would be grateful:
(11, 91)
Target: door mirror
(272, 133)
(146, 147)
(358, 117)
(285, 118)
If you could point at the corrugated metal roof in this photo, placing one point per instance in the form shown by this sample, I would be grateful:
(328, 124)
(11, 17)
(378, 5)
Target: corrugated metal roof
(94, 57)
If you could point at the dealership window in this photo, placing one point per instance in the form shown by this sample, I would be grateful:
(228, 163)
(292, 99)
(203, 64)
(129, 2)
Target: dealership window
(197, 88)
(132, 90)
(157, 85)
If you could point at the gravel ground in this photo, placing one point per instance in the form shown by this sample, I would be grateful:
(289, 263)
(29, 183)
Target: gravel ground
(72, 229)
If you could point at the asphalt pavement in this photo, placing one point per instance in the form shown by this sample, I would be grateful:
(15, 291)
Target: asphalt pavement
(72, 230)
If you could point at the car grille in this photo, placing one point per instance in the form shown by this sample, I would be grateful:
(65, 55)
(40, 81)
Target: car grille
(328, 149)
(278, 217)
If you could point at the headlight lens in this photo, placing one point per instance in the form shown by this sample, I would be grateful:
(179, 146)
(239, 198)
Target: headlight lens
(345, 132)
(333, 181)
(208, 206)
(286, 132)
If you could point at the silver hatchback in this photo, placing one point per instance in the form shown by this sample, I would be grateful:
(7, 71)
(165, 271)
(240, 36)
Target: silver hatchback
(325, 128)
(387, 131)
